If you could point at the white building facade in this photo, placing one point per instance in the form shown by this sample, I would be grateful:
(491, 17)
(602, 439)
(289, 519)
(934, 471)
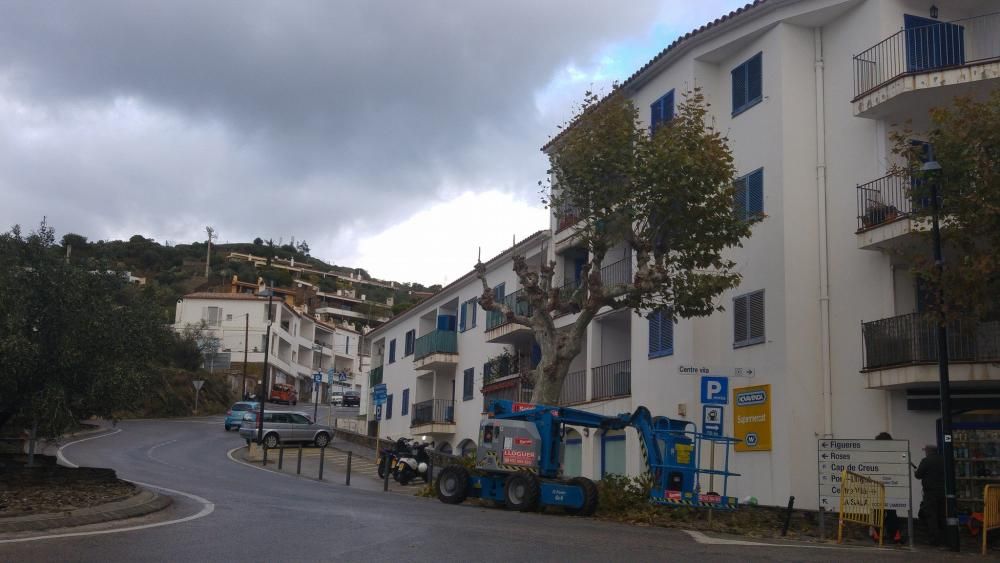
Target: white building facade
(808, 92)
(300, 345)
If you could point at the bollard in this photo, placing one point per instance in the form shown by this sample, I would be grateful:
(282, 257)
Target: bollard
(788, 516)
(322, 456)
(281, 455)
(264, 461)
(298, 469)
(349, 455)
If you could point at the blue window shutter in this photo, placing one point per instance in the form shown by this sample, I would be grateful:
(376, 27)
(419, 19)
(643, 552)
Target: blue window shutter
(461, 318)
(392, 350)
(499, 292)
(388, 407)
(654, 332)
(755, 192)
(475, 305)
(468, 381)
(655, 114)
(404, 409)
(755, 78)
(667, 330)
(740, 198)
(668, 106)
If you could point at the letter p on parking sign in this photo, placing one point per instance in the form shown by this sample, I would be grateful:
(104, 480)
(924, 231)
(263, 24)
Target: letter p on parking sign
(714, 390)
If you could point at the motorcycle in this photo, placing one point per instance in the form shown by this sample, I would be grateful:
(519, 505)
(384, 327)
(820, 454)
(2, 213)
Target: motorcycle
(417, 464)
(388, 458)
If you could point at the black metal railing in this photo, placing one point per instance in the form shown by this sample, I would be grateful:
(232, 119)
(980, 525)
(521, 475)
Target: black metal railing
(433, 410)
(883, 201)
(612, 380)
(617, 273)
(517, 301)
(926, 48)
(912, 339)
(574, 389)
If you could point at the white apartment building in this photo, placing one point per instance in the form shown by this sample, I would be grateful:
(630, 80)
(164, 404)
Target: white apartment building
(808, 92)
(300, 345)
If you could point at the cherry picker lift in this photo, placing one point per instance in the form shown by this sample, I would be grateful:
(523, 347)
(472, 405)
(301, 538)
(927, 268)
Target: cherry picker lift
(520, 451)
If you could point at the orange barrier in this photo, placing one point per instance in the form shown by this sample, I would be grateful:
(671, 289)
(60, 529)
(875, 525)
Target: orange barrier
(991, 511)
(862, 501)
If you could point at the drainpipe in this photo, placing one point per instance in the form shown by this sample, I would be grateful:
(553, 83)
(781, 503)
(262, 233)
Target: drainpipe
(824, 259)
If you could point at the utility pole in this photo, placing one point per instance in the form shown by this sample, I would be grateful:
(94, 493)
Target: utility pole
(208, 256)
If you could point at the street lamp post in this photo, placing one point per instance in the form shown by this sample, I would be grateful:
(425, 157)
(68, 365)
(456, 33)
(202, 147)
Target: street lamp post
(932, 168)
(263, 384)
(246, 343)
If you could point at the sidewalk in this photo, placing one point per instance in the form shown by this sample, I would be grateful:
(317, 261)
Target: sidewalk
(364, 471)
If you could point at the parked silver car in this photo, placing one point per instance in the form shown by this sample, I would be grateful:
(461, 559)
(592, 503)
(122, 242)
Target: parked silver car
(284, 426)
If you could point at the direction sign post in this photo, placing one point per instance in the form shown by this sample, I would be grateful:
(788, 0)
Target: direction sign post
(885, 461)
(197, 391)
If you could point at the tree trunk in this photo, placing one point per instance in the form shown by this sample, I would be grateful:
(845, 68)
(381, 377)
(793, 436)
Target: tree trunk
(549, 378)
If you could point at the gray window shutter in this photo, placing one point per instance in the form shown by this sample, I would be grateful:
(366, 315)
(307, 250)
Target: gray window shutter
(755, 314)
(740, 321)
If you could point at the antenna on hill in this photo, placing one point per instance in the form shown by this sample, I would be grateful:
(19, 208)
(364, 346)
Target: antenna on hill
(208, 257)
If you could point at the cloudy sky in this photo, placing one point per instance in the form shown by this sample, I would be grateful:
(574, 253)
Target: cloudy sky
(395, 136)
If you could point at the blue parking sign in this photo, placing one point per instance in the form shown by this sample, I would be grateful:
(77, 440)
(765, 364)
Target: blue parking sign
(714, 390)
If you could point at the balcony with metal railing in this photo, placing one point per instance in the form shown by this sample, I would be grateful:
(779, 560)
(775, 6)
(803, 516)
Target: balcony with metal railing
(612, 380)
(500, 330)
(927, 54)
(433, 416)
(436, 349)
(574, 388)
(902, 351)
(885, 207)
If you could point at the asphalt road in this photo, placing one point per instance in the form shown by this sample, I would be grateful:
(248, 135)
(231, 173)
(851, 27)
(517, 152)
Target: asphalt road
(256, 515)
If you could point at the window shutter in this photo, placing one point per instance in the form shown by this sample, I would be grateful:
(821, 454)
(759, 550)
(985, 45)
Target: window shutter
(388, 407)
(461, 318)
(654, 332)
(392, 350)
(468, 380)
(740, 198)
(668, 106)
(740, 321)
(474, 304)
(655, 114)
(739, 79)
(667, 332)
(755, 193)
(487, 372)
(754, 78)
(755, 315)
(404, 409)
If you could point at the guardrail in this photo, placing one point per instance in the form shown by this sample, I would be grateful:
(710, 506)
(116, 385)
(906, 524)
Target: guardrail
(438, 341)
(883, 201)
(927, 48)
(433, 410)
(517, 302)
(574, 389)
(912, 339)
(612, 380)
(617, 273)
(862, 501)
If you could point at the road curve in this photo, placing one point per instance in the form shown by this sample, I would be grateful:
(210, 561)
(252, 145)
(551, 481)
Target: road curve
(261, 516)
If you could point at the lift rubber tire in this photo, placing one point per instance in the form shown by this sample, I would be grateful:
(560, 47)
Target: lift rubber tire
(381, 468)
(453, 484)
(521, 491)
(589, 497)
(322, 440)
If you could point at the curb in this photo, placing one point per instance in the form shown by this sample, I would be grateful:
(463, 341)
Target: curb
(141, 504)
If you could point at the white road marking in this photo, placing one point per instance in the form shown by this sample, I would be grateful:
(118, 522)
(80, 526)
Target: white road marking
(229, 454)
(708, 540)
(62, 459)
(207, 506)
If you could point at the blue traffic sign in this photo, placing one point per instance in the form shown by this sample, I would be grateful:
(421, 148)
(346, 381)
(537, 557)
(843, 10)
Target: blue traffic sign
(711, 420)
(379, 394)
(714, 390)
(378, 412)
(318, 377)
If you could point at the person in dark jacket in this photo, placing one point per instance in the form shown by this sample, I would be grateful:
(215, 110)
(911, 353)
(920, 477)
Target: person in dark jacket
(931, 475)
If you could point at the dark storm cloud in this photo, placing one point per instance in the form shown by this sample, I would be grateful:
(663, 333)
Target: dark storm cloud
(276, 118)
